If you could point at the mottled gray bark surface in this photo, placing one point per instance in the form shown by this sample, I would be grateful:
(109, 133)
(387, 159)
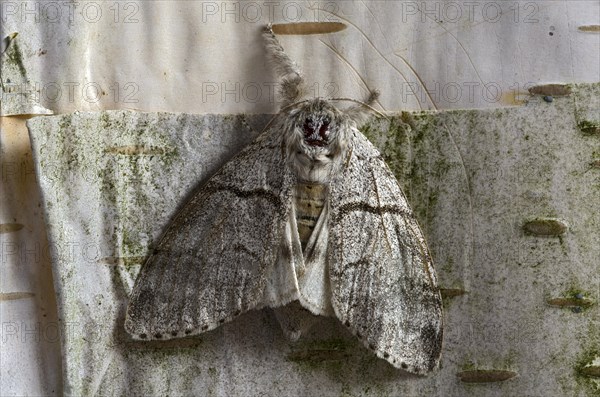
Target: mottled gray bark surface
(508, 200)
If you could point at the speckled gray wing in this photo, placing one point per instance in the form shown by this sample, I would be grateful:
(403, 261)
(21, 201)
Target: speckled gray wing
(384, 287)
(213, 261)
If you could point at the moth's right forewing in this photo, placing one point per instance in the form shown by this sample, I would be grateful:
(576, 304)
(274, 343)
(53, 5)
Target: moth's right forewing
(213, 261)
(384, 287)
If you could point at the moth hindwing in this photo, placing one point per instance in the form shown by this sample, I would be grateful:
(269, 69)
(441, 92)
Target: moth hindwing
(307, 216)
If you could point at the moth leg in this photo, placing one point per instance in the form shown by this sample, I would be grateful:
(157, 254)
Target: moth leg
(294, 320)
(289, 73)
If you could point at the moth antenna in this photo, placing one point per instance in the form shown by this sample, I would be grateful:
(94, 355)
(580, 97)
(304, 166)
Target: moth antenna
(283, 109)
(290, 87)
(363, 110)
(363, 104)
(373, 97)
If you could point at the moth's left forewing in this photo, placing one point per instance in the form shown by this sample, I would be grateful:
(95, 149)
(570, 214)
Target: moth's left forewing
(384, 287)
(218, 256)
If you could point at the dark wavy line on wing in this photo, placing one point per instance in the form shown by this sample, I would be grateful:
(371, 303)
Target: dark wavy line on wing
(364, 207)
(267, 195)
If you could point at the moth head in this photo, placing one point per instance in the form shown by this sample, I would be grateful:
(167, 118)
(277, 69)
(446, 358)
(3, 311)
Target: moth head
(316, 130)
(319, 122)
(316, 126)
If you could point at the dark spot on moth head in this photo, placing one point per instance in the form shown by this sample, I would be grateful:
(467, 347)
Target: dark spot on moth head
(404, 365)
(188, 331)
(347, 323)
(318, 124)
(316, 131)
(386, 356)
(358, 335)
(204, 327)
(221, 321)
(143, 336)
(158, 336)
(173, 333)
(371, 346)
(237, 312)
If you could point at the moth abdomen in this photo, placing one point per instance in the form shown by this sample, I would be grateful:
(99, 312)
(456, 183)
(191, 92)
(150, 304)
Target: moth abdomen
(309, 199)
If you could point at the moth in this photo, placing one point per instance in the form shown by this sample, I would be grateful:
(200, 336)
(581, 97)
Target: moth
(308, 216)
